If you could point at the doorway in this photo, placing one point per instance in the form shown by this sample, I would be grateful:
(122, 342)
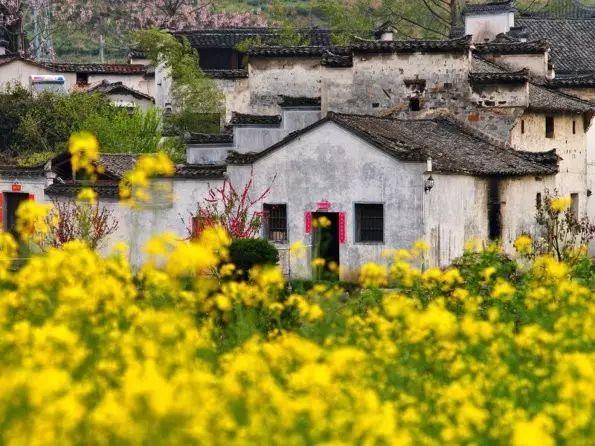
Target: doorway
(12, 200)
(325, 244)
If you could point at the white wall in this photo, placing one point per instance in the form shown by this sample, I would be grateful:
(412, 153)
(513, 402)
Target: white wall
(572, 148)
(20, 72)
(330, 163)
(456, 212)
(488, 26)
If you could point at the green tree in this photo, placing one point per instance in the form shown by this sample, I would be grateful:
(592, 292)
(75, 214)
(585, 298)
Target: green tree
(197, 101)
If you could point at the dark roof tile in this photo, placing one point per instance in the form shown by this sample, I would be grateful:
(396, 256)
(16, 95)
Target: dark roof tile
(517, 77)
(106, 87)
(207, 138)
(572, 42)
(200, 171)
(453, 147)
(291, 101)
(72, 190)
(245, 119)
(227, 74)
(408, 46)
(490, 8)
(547, 100)
(230, 37)
(512, 47)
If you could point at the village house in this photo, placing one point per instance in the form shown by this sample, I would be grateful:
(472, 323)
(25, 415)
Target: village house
(62, 77)
(393, 141)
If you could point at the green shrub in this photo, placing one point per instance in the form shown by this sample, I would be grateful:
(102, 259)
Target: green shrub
(248, 253)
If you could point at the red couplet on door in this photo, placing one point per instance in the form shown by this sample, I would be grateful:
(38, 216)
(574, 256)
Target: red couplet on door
(342, 228)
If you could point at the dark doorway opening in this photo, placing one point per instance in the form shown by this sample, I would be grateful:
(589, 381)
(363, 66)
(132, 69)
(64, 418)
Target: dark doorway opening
(325, 242)
(494, 210)
(12, 200)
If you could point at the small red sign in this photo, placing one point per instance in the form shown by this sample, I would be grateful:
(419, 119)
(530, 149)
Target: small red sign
(308, 221)
(16, 187)
(323, 205)
(342, 228)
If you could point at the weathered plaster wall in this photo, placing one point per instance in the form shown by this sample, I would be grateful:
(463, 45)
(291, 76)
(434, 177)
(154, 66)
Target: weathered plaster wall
(382, 82)
(252, 138)
(332, 164)
(571, 147)
(275, 77)
(456, 212)
(519, 205)
(207, 153)
(487, 26)
(536, 63)
(513, 95)
(237, 95)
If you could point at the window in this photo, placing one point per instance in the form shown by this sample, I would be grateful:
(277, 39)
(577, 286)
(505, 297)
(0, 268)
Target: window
(414, 104)
(275, 222)
(574, 205)
(549, 126)
(574, 127)
(522, 126)
(538, 200)
(369, 223)
(82, 78)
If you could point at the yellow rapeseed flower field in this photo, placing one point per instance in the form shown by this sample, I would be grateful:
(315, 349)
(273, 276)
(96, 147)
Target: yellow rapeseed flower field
(485, 352)
(186, 351)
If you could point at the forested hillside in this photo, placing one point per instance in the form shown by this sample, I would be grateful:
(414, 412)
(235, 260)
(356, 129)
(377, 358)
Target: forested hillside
(94, 30)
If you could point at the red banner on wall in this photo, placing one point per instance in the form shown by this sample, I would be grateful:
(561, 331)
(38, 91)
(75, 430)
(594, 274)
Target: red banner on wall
(342, 228)
(16, 187)
(308, 221)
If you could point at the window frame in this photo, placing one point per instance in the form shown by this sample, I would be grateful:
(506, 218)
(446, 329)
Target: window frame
(266, 228)
(356, 223)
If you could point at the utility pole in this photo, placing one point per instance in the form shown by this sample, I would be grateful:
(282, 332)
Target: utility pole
(101, 48)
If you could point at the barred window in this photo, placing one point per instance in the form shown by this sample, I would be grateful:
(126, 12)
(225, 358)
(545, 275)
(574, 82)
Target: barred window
(369, 223)
(275, 222)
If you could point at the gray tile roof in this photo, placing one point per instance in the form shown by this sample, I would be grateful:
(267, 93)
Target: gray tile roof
(579, 81)
(453, 146)
(516, 77)
(227, 74)
(572, 42)
(10, 170)
(117, 164)
(546, 100)
(292, 101)
(410, 46)
(246, 119)
(208, 138)
(200, 171)
(72, 190)
(230, 37)
(106, 87)
(502, 46)
(490, 7)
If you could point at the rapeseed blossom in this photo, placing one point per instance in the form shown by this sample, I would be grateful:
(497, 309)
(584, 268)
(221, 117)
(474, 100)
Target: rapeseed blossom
(181, 351)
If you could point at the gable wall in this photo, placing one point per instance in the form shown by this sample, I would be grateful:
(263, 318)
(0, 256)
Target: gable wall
(330, 163)
(572, 148)
(378, 82)
(273, 77)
